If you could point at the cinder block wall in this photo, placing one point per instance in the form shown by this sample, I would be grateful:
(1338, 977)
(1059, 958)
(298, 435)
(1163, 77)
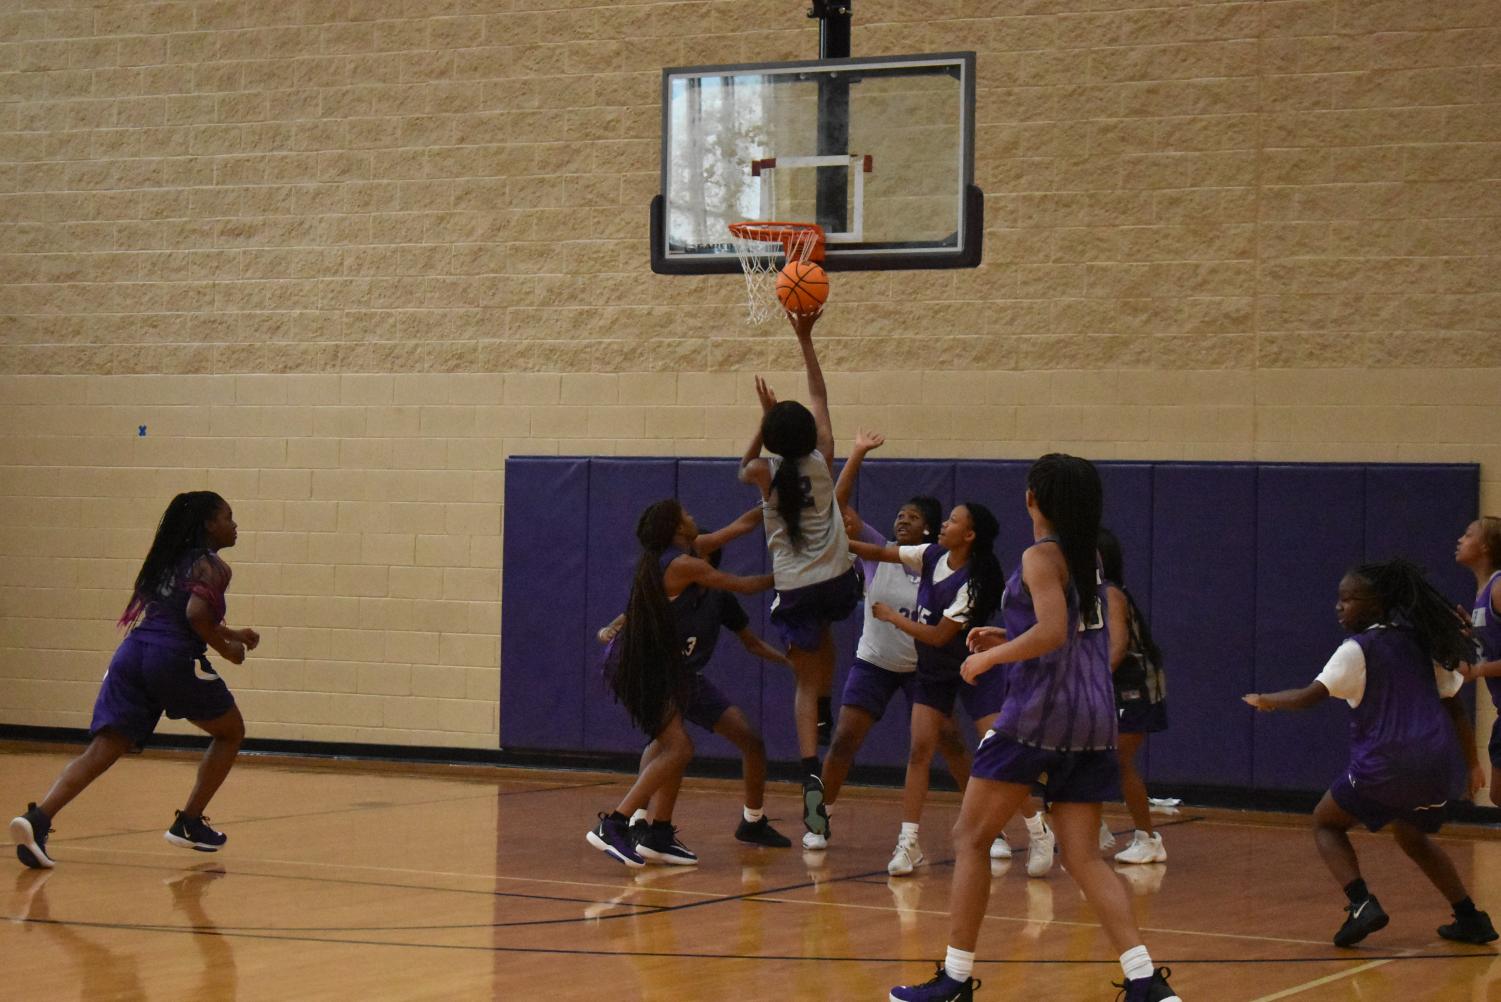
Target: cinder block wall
(341, 257)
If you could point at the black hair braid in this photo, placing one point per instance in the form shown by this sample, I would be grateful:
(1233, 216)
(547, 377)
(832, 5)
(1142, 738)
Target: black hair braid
(1070, 496)
(644, 667)
(789, 430)
(986, 579)
(180, 531)
(1408, 599)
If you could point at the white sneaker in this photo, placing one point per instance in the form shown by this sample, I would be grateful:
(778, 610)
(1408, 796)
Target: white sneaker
(814, 842)
(1107, 837)
(1000, 848)
(1039, 851)
(906, 856)
(1144, 848)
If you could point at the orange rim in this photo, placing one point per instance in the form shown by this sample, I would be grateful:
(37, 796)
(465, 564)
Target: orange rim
(789, 235)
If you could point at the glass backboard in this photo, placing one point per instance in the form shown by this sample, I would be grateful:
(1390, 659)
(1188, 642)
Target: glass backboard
(879, 151)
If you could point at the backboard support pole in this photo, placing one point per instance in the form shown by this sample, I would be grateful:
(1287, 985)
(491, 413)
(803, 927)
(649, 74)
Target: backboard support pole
(835, 22)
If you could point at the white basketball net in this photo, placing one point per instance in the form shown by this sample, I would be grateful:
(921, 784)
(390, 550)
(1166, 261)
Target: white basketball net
(764, 249)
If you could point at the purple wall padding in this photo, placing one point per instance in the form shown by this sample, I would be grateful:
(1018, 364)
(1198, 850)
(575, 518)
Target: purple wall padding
(1312, 520)
(544, 653)
(1235, 563)
(1203, 581)
(619, 491)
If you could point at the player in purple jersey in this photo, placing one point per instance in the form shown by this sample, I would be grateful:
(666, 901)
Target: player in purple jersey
(885, 658)
(649, 675)
(700, 614)
(815, 578)
(1479, 549)
(175, 613)
(1410, 738)
(1140, 698)
(959, 589)
(1058, 720)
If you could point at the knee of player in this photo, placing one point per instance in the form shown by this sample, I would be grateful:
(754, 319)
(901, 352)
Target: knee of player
(845, 744)
(967, 834)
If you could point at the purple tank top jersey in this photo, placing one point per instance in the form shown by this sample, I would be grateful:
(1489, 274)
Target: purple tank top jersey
(1062, 701)
(1403, 748)
(699, 613)
(165, 620)
(933, 598)
(1487, 630)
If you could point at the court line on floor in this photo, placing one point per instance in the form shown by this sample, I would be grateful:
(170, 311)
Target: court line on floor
(75, 839)
(1326, 979)
(678, 955)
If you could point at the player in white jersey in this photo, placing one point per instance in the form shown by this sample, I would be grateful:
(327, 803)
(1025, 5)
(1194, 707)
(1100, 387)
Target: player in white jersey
(886, 659)
(813, 570)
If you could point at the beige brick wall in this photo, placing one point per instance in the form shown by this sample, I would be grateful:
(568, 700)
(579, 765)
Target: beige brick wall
(342, 257)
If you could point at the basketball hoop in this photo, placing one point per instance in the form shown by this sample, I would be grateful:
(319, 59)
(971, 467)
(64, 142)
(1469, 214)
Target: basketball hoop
(763, 249)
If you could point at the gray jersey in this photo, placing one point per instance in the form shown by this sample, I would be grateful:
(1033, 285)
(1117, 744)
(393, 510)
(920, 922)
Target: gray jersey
(823, 550)
(882, 644)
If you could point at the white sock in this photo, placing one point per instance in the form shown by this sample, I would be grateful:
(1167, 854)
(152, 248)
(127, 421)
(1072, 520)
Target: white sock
(753, 816)
(959, 964)
(1035, 825)
(638, 816)
(909, 831)
(1142, 836)
(1137, 963)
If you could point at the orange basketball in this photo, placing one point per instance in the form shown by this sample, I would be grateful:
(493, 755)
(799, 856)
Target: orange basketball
(802, 287)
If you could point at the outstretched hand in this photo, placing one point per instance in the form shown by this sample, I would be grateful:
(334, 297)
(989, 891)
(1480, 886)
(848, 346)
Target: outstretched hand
(865, 441)
(1255, 699)
(802, 323)
(765, 394)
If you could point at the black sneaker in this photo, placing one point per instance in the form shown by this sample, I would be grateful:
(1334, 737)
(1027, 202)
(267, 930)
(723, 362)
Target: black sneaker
(941, 988)
(1473, 928)
(660, 843)
(29, 832)
(761, 833)
(815, 815)
(1153, 989)
(194, 833)
(612, 837)
(1365, 918)
(637, 831)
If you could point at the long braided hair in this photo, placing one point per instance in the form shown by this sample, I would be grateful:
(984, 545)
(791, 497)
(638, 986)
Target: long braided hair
(1407, 599)
(180, 531)
(789, 430)
(644, 667)
(1069, 495)
(986, 579)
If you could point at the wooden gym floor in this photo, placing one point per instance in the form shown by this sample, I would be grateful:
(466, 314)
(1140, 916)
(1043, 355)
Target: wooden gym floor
(349, 880)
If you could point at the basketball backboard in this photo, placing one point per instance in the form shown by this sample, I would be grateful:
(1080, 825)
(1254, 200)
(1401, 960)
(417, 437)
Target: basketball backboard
(879, 151)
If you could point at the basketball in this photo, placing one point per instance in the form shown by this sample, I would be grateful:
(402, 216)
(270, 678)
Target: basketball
(802, 287)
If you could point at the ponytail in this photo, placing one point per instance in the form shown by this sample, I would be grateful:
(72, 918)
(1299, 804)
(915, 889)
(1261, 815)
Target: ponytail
(1068, 493)
(788, 430)
(986, 579)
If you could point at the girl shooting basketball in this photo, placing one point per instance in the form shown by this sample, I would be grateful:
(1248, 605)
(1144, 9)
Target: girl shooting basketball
(1410, 738)
(175, 613)
(815, 578)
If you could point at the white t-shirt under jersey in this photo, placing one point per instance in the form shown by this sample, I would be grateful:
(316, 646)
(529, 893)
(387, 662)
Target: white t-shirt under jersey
(1344, 675)
(823, 550)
